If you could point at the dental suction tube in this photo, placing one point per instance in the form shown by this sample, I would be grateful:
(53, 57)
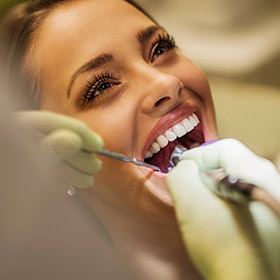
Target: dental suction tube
(231, 188)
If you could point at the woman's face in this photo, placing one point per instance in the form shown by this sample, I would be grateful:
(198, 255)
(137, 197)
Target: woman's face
(107, 64)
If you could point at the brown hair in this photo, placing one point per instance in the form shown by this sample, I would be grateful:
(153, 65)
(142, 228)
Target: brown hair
(17, 33)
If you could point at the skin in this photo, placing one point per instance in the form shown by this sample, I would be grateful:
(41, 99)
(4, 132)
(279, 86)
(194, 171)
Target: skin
(149, 89)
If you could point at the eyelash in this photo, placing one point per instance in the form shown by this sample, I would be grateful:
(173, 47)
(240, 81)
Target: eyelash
(163, 40)
(93, 92)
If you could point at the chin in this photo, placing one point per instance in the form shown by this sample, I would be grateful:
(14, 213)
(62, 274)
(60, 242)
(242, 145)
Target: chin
(185, 127)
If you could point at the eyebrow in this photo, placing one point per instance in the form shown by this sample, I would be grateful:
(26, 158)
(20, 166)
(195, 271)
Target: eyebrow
(146, 34)
(94, 63)
(142, 36)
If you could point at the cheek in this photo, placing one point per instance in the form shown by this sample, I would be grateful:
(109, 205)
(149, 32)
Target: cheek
(193, 78)
(115, 181)
(114, 123)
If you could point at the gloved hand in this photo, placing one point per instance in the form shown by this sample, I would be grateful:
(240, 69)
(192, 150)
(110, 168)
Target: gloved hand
(221, 237)
(68, 141)
(238, 161)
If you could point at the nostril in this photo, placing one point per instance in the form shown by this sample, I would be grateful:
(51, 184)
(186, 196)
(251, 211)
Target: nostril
(161, 101)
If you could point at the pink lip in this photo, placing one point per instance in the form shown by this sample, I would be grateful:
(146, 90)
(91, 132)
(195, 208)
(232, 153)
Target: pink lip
(170, 119)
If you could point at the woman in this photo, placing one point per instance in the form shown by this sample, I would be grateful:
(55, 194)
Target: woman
(110, 65)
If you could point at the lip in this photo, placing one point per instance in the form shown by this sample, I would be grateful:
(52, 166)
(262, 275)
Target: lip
(170, 119)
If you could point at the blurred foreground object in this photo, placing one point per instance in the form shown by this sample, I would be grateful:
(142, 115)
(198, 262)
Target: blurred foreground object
(45, 233)
(6, 4)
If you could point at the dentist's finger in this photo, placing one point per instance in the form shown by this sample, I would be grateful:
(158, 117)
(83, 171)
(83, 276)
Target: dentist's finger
(74, 177)
(46, 122)
(239, 161)
(65, 146)
(64, 143)
(187, 190)
(86, 162)
(224, 153)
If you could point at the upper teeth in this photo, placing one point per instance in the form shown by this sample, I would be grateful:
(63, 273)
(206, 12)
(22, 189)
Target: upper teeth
(176, 131)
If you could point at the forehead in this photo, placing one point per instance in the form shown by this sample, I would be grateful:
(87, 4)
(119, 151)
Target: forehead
(79, 30)
(90, 24)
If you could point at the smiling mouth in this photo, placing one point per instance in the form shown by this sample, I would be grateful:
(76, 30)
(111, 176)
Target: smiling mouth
(187, 133)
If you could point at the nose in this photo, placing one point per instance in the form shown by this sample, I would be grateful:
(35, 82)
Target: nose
(163, 92)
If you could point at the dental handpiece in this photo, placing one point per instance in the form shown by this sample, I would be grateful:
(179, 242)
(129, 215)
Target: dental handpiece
(231, 188)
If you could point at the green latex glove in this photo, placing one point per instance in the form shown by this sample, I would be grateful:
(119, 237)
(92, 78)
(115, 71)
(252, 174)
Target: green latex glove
(68, 141)
(238, 161)
(222, 238)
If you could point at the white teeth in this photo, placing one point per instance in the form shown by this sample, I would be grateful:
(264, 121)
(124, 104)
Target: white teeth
(155, 147)
(187, 125)
(162, 141)
(194, 120)
(148, 154)
(178, 130)
(170, 135)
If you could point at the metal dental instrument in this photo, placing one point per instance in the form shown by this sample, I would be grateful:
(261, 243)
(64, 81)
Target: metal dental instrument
(231, 188)
(126, 159)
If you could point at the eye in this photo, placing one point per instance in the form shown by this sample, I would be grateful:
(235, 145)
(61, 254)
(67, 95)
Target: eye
(97, 86)
(163, 44)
